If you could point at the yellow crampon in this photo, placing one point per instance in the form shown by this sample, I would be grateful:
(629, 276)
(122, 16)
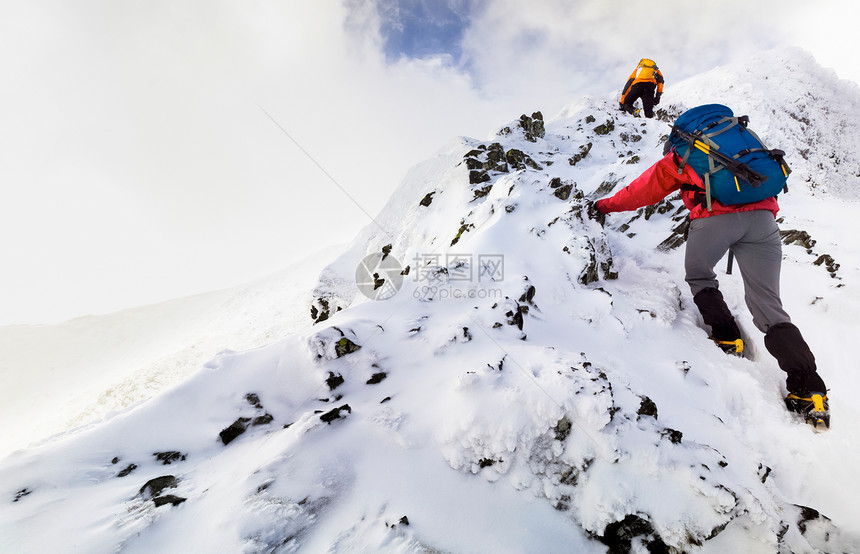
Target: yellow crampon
(735, 347)
(813, 408)
(818, 403)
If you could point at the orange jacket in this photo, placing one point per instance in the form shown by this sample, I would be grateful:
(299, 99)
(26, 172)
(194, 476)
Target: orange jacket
(646, 72)
(662, 179)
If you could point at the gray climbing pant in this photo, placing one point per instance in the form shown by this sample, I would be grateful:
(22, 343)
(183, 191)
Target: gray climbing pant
(753, 237)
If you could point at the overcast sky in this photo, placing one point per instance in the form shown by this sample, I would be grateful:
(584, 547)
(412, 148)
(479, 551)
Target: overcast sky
(160, 148)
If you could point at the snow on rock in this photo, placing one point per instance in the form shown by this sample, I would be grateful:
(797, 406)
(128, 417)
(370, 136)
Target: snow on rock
(540, 381)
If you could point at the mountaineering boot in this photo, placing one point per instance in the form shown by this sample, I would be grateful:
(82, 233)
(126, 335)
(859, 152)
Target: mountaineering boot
(807, 393)
(814, 409)
(629, 108)
(724, 331)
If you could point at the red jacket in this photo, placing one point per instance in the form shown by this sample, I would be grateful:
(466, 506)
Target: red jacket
(662, 179)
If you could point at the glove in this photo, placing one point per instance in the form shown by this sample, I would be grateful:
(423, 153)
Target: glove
(657, 98)
(594, 212)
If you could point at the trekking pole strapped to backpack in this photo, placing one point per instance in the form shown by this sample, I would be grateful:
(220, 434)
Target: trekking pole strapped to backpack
(753, 172)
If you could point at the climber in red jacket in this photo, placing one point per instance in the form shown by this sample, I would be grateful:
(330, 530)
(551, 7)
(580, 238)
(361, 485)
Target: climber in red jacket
(751, 233)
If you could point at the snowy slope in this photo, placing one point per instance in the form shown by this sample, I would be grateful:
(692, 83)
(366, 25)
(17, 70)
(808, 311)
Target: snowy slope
(539, 383)
(54, 378)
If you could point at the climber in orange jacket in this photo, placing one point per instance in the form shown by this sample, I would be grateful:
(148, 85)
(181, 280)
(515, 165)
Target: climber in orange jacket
(646, 82)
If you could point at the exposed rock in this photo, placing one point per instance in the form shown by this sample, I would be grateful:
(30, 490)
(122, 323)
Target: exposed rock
(563, 192)
(562, 428)
(828, 261)
(334, 414)
(661, 207)
(529, 295)
(345, 346)
(463, 228)
(763, 472)
(515, 316)
(483, 160)
(377, 378)
(171, 499)
(127, 470)
(533, 127)
(167, 458)
(478, 176)
(498, 367)
(321, 309)
(647, 408)
(677, 238)
(798, 237)
(496, 160)
(808, 514)
(605, 128)
(428, 198)
(482, 192)
(606, 187)
(235, 429)
(334, 381)
(153, 487)
(579, 156)
(253, 400)
(474, 163)
(619, 536)
(520, 160)
(673, 435)
(264, 419)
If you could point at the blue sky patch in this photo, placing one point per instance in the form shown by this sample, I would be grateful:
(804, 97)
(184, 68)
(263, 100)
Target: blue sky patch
(422, 28)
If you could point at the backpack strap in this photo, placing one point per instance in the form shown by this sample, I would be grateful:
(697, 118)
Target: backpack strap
(775, 153)
(733, 121)
(701, 140)
(699, 197)
(710, 145)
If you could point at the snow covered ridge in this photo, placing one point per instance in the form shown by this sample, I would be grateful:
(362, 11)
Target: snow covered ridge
(538, 383)
(801, 107)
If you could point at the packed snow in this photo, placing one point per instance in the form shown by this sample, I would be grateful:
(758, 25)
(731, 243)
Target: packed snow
(509, 375)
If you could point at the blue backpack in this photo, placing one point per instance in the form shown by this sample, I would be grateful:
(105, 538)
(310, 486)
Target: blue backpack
(734, 164)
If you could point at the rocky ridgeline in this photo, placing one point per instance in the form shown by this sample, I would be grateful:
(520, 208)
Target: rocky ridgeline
(549, 179)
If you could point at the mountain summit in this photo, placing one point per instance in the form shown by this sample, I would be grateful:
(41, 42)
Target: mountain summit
(489, 368)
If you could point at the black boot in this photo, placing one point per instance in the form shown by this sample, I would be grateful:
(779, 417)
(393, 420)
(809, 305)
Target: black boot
(716, 314)
(786, 344)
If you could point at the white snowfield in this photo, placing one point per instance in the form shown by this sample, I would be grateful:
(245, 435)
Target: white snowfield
(538, 383)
